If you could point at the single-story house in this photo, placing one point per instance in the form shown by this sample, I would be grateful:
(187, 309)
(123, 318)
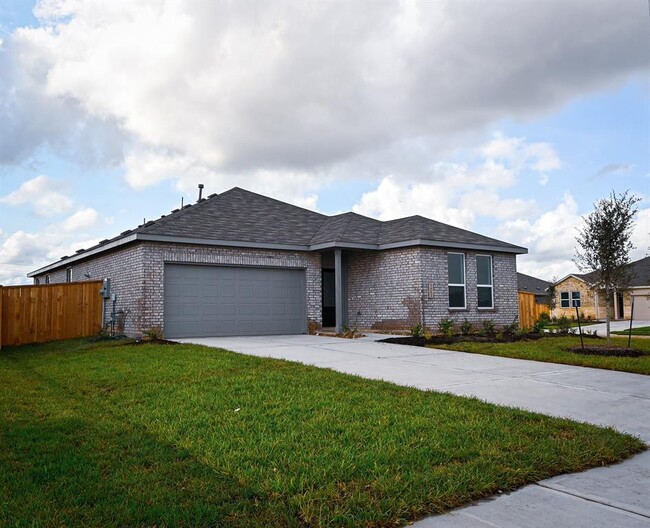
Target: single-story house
(240, 263)
(580, 289)
(530, 284)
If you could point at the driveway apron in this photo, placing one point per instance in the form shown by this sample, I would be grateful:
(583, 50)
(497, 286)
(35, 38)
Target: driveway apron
(615, 496)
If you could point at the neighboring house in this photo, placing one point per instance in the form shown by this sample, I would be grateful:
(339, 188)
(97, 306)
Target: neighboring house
(240, 263)
(580, 289)
(528, 284)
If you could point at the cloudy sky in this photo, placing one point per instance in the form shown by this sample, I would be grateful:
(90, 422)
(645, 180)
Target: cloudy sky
(509, 118)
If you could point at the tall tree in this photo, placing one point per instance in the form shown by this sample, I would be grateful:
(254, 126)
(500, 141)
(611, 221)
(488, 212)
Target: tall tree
(605, 245)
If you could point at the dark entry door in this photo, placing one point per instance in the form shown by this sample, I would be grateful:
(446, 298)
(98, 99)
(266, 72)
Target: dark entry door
(329, 298)
(619, 305)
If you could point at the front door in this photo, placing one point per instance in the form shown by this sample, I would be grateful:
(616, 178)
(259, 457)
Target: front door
(619, 306)
(329, 298)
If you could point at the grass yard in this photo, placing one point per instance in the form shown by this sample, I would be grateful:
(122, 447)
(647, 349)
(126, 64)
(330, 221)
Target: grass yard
(552, 350)
(640, 331)
(98, 435)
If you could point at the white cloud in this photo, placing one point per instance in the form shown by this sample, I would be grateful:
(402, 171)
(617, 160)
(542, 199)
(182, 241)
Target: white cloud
(42, 193)
(231, 89)
(551, 239)
(457, 193)
(83, 219)
(22, 252)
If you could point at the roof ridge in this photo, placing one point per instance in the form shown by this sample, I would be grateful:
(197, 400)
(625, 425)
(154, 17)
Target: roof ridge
(274, 200)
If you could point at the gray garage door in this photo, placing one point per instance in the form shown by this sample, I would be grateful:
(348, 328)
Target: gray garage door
(227, 301)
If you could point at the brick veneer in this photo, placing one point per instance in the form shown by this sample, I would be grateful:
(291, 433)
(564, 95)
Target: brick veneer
(390, 289)
(137, 275)
(386, 289)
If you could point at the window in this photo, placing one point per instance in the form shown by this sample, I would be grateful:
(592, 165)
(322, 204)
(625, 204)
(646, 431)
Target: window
(484, 281)
(570, 299)
(68, 275)
(456, 279)
(575, 299)
(47, 279)
(37, 281)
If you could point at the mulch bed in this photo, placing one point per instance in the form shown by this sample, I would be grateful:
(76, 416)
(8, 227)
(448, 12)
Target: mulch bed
(442, 340)
(153, 342)
(608, 351)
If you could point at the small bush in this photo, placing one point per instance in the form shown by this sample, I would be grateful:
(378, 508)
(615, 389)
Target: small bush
(466, 327)
(446, 327)
(563, 324)
(153, 334)
(511, 329)
(417, 330)
(489, 328)
(350, 333)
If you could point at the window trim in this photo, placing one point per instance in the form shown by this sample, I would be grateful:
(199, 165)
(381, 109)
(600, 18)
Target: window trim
(579, 299)
(37, 281)
(68, 274)
(464, 284)
(491, 285)
(47, 279)
(570, 299)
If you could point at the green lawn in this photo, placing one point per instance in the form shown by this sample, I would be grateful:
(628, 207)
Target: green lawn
(108, 436)
(553, 350)
(640, 331)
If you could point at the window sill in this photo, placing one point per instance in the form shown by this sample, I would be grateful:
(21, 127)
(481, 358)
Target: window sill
(458, 309)
(492, 309)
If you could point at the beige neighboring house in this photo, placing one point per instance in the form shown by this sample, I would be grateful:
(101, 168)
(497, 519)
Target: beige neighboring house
(578, 289)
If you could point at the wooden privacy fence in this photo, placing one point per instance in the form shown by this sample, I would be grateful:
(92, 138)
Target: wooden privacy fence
(529, 310)
(35, 314)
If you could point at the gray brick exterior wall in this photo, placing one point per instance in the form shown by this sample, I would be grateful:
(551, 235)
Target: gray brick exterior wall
(389, 290)
(137, 275)
(386, 290)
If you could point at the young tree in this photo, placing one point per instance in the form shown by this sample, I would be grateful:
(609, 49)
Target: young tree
(605, 245)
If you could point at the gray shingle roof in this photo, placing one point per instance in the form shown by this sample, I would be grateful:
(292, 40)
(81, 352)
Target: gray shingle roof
(640, 273)
(531, 284)
(241, 216)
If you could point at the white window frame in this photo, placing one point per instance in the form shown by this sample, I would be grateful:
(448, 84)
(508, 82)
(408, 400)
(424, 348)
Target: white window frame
(570, 299)
(491, 286)
(37, 281)
(68, 274)
(47, 279)
(579, 299)
(464, 284)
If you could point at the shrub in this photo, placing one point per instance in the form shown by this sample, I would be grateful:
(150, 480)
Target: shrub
(446, 327)
(152, 334)
(488, 328)
(417, 330)
(466, 327)
(563, 324)
(511, 329)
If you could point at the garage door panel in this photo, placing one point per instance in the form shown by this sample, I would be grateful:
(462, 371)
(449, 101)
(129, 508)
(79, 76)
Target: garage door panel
(224, 300)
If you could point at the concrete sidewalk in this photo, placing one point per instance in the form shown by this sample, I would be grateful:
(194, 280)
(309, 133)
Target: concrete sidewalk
(604, 497)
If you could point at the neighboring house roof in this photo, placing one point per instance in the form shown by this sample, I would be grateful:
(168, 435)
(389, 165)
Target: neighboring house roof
(640, 274)
(245, 219)
(526, 283)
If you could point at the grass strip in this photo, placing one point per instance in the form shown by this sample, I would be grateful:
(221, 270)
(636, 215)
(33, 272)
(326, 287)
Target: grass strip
(555, 350)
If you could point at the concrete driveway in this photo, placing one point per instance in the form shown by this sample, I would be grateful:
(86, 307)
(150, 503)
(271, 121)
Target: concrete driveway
(604, 497)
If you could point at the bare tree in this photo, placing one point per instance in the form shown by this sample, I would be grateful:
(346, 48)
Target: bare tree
(605, 245)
